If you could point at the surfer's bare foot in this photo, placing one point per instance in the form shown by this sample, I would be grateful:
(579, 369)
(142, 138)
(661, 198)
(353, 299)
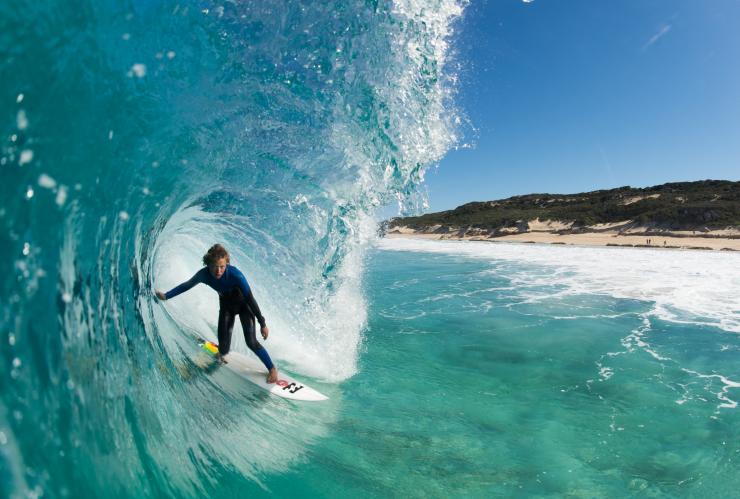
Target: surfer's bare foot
(221, 358)
(272, 376)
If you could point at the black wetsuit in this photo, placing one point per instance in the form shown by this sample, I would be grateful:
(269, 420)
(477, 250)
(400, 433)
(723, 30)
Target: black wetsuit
(235, 298)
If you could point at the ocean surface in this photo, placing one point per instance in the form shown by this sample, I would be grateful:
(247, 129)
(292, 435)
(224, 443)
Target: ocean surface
(549, 371)
(136, 134)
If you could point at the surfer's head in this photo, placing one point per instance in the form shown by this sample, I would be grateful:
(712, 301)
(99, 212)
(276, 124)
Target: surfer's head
(216, 259)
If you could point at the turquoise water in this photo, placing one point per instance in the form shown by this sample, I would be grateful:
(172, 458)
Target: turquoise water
(481, 376)
(467, 389)
(476, 378)
(494, 393)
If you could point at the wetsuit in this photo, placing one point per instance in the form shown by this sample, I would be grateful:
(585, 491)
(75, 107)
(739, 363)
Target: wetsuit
(235, 298)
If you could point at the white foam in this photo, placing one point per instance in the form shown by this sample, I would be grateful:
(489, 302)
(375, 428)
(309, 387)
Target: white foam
(698, 287)
(723, 395)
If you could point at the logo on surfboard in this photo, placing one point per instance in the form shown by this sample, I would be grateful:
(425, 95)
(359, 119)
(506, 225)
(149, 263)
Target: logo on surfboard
(291, 387)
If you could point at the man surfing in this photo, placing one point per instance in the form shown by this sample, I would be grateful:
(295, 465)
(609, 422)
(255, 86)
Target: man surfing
(235, 298)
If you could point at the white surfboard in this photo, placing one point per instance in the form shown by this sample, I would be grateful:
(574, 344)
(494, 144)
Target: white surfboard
(286, 386)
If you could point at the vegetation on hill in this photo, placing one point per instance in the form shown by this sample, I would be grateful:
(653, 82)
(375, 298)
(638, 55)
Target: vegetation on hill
(707, 204)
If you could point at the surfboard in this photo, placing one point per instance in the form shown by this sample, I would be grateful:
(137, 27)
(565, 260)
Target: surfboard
(285, 387)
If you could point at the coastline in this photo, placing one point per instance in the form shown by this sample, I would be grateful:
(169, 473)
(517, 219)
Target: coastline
(605, 238)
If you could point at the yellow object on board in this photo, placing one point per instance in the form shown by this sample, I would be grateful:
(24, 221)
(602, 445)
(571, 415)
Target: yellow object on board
(210, 347)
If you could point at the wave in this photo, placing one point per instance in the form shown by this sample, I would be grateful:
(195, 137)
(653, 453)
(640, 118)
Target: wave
(139, 134)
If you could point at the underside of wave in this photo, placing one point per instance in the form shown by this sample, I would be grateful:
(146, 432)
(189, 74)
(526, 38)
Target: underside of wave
(314, 328)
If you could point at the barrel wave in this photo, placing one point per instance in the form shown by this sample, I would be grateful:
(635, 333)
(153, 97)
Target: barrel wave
(135, 135)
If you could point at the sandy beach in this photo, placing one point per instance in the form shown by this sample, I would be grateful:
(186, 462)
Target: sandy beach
(715, 240)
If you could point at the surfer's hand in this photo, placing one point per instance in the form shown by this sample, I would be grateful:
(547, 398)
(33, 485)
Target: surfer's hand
(160, 295)
(265, 332)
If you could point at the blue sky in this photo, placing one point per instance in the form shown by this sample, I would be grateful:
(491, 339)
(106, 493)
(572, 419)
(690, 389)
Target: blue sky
(578, 95)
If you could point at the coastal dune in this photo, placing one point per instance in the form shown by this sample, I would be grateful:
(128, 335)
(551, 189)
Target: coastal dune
(683, 215)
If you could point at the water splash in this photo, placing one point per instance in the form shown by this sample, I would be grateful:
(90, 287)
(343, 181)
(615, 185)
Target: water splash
(152, 131)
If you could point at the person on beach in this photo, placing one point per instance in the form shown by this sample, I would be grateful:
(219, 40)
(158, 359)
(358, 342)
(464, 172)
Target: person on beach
(235, 298)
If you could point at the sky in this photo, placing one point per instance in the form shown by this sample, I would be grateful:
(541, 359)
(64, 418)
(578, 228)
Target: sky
(578, 95)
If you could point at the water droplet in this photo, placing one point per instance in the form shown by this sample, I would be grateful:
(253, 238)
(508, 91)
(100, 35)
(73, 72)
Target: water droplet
(126, 36)
(171, 54)
(46, 181)
(123, 216)
(138, 70)
(21, 120)
(61, 195)
(13, 138)
(19, 99)
(66, 297)
(11, 339)
(29, 193)
(17, 362)
(26, 249)
(26, 157)
(110, 134)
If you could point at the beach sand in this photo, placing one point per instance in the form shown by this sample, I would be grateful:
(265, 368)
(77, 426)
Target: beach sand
(605, 238)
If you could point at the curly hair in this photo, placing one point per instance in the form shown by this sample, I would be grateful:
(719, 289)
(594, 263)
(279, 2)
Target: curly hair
(214, 253)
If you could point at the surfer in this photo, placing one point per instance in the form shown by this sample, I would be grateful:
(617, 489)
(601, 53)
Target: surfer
(235, 298)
